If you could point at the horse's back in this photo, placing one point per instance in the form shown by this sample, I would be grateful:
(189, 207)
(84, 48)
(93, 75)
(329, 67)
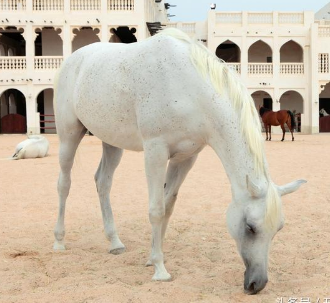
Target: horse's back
(118, 91)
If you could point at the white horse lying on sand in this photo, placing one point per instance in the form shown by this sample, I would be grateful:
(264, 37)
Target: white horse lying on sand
(169, 97)
(35, 146)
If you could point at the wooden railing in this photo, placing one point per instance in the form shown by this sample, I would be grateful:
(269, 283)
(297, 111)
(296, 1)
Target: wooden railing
(13, 63)
(235, 66)
(48, 5)
(292, 68)
(260, 68)
(121, 5)
(47, 62)
(12, 5)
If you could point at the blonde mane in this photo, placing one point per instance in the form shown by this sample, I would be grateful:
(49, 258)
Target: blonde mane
(223, 80)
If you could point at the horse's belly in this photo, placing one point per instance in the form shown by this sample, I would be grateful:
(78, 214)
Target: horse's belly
(113, 125)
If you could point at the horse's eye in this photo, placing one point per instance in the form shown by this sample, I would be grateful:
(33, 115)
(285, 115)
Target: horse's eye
(250, 229)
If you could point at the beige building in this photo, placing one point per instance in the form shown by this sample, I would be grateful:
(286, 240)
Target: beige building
(282, 57)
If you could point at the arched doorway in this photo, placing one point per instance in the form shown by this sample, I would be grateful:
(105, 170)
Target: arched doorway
(228, 51)
(12, 39)
(260, 52)
(84, 36)
(46, 111)
(12, 112)
(291, 52)
(262, 98)
(293, 101)
(123, 34)
(324, 104)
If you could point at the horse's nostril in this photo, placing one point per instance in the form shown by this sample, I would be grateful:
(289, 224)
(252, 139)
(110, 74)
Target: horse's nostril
(252, 288)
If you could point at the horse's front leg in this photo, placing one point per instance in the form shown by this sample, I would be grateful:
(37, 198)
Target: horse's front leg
(156, 157)
(176, 173)
(283, 130)
(266, 127)
(270, 132)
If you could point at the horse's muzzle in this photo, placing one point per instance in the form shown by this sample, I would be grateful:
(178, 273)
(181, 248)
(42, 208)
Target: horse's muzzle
(253, 284)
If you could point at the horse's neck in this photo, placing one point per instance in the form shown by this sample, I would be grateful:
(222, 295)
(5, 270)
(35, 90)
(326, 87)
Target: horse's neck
(231, 147)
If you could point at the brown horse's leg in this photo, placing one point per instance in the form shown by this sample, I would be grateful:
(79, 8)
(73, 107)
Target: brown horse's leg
(289, 124)
(270, 132)
(266, 128)
(283, 130)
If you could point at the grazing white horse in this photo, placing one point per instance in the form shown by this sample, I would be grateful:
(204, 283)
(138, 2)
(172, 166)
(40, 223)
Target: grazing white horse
(323, 112)
(169, 97)
(35, 146)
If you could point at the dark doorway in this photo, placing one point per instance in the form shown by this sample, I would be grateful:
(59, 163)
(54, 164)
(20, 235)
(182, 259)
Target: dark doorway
(268, 103)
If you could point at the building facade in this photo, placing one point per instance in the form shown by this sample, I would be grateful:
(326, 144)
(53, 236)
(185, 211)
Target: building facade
(282, 57)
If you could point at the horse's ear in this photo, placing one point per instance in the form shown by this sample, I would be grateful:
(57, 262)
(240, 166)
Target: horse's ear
(254, 190)
(290, 187)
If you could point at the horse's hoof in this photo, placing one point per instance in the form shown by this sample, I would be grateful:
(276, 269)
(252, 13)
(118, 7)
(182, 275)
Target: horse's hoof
(149, 263)
(58, 246)
(117, 251)
(270, 139)
(164, 277)
(282, 140)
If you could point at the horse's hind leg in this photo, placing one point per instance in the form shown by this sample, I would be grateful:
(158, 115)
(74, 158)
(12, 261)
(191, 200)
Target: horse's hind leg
(270, 132)
(291, 129)
(69, 141)
(176, 174)
(103, 178)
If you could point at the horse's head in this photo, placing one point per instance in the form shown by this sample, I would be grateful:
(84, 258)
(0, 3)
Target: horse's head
(262, 110)
(253, 221)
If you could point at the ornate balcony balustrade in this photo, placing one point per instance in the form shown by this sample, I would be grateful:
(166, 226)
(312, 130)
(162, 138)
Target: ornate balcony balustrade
(291, 18)
(324, 31)
(323, 63)
(12, 63)
(228, 18)
(292, 68)
(48, 5)
(85, 5)
(260, 18)
(235, 66)
(188, 28)
(47, 62)
(260, 68)
(120, 5)
(12, 5)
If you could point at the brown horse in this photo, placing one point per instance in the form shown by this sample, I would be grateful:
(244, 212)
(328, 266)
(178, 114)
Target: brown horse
(280, 117)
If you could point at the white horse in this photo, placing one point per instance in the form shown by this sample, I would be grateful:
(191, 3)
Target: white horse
(35, 146)
(169, 97)
(323, 112)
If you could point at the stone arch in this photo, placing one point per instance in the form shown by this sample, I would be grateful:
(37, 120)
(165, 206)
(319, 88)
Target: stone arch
(260, 52)
(13, 39)
(45, 108)
(123, 34)
(291, 51)
(262, 98)
(48, 42)
(2, 50)
(229, 52)
(12, 111)
(84, 36)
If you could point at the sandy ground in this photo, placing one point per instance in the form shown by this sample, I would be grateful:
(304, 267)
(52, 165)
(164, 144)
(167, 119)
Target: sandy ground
(200, 254)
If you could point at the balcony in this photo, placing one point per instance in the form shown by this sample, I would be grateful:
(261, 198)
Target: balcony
(188, 28)
(13, 63)
(58, 5)
(260, 68)
(292, 68)
(47, 62)
(235, 66)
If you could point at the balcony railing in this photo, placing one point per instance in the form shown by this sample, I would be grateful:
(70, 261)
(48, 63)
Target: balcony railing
(12, 5)
(260, 18)
(48, 5)
(120, 5)
(85, 5)
(228, 18)
(291, 18)
(44, 63)
(188, 28)
(235, 66)
(260, 68)
(292, 68)
(13, 63)
(324, 31)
